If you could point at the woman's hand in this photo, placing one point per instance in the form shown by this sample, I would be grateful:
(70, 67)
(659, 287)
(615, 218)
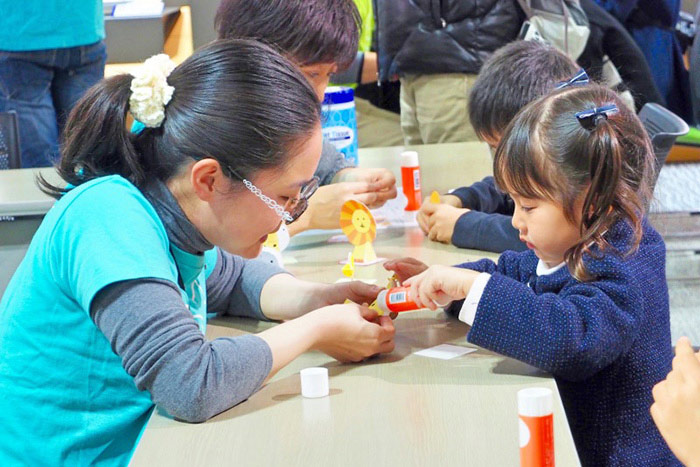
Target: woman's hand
(405, 267)
(348, 333)
(351, 333)
(382, 183)
(439, 285)
(356, 291)
(285, 297)
(676, 408)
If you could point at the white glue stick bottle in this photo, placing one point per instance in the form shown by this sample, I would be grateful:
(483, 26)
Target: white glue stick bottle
(536, 427)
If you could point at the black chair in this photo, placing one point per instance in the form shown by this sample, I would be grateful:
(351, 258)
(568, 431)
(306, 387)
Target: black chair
(663, 127)
(10, 155)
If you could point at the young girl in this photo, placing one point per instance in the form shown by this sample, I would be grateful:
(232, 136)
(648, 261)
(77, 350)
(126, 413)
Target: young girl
(105, 317)
(588, 301)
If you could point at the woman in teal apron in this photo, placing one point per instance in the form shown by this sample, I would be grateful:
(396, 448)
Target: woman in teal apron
(105, 316)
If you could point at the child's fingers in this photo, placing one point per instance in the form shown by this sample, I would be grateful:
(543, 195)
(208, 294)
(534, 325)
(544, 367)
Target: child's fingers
(685, 362)
(660, 392)
(425, 292)
(683, 346)
(429, 208)
(441, 299)
(413, 292)
(422, 220)
(675, 380)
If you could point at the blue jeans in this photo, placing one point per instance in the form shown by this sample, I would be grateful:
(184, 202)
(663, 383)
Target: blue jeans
(43, 86)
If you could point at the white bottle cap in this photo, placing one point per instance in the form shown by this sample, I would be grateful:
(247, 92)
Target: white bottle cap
(535, 402)
(314, 382)
(381, 301)
(409, 159)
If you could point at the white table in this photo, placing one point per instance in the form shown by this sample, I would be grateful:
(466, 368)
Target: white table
(397, 409)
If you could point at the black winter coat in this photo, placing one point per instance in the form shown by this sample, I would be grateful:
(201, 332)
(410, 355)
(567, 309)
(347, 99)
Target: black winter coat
(442, 36)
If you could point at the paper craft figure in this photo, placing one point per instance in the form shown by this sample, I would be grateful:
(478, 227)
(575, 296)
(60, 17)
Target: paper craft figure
(359, 226)
(435, 197)
(274, 245)
(349, 268)
(393, 281)
(272, 242)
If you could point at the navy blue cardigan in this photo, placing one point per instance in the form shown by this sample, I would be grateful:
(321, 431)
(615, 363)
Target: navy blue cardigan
(606, 342)
(488, 225)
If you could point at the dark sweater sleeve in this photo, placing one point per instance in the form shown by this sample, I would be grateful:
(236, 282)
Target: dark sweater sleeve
(485, 197)
(353, 74)
(161, 347)
(488, 225)
(332, 161)
(508, 263)
(488, 232)
(572, 334)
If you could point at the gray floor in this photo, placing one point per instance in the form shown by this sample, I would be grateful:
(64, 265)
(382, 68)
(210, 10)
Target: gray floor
(676, 215)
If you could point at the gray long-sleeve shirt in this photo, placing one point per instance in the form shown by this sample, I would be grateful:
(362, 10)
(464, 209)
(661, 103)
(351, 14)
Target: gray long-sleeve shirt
(160, 345)
(332, 161)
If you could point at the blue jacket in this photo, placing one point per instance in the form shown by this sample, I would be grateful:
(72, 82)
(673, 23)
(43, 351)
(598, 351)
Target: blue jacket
(651, 23)
(607, 341)
(488, 225)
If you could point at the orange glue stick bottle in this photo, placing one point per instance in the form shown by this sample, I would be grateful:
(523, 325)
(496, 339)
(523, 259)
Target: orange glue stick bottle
(410, 180)
(536, 427)
(395, 300)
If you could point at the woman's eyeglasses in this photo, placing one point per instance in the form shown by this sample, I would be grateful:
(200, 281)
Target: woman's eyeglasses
(293, 208)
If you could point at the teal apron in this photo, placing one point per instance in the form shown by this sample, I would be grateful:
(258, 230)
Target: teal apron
(192, 268)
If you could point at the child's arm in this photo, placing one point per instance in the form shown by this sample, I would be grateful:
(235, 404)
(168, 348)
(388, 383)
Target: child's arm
(478, 274)
(484, 231)
(483, 196)
(573, 334)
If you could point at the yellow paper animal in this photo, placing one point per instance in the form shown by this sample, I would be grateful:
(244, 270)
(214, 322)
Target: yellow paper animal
(361, 229)
(272, 241)
(435, 197)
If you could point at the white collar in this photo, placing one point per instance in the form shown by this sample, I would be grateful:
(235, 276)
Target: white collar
(544, 270)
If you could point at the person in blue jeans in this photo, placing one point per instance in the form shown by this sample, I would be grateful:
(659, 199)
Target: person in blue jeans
(51, 52)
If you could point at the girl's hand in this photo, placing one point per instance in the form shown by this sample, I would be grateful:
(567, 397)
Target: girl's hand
(351, 333)
(405, 267)
(439, 285)
(676, 408)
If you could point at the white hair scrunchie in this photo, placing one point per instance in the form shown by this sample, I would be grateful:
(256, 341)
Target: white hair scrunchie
(150, 92)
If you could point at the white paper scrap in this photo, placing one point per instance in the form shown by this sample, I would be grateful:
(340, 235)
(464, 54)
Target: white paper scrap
(445, 351)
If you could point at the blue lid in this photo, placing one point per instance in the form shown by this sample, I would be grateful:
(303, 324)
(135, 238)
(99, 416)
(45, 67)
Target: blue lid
(338, 95)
